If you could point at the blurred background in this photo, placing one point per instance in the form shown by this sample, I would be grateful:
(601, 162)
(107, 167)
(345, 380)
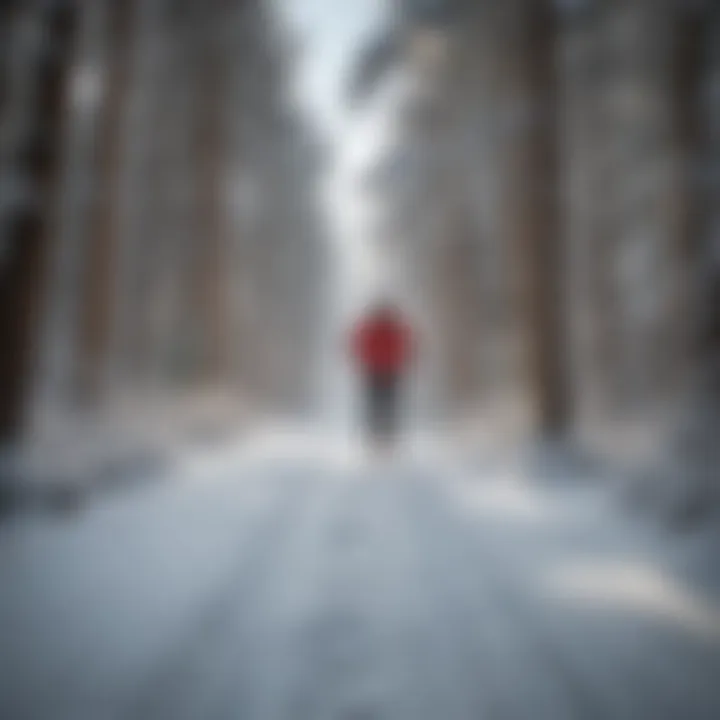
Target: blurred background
(197, 199)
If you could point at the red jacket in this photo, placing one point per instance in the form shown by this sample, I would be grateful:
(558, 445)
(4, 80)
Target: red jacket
(382, 343)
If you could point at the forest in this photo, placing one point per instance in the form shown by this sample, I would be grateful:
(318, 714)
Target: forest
(548, 203)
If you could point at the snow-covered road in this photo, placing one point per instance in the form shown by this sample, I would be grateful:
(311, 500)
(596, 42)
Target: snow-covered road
(304, 586)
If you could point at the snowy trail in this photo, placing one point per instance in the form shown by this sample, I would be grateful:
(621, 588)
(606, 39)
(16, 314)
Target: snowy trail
(305, 588)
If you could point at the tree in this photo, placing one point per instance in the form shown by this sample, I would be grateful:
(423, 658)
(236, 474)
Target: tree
(209, 152)
(33, 118)
(540, 237)
(692, 468)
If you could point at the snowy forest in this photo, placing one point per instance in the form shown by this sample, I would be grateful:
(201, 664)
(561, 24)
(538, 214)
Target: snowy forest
(547, 200)
(554, 187)
(159, 234)
(200, 200)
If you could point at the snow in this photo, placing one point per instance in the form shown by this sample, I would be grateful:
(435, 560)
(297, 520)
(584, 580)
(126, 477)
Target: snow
(294, 578)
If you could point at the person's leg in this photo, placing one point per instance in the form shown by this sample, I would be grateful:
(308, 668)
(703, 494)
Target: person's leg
(383, 409)
(372, 406)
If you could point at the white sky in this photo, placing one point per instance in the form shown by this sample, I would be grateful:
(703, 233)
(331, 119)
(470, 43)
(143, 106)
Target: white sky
(331, 33)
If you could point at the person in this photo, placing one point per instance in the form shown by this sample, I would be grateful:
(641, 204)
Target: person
(382, 343)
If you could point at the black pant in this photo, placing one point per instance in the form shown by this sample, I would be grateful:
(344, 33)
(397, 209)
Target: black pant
(382, 390)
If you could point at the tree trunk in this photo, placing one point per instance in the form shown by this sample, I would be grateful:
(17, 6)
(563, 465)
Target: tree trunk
(541, 241)
(690, 471)
(8, 19)
(35, 103)
(61, 354)
(210, 145)
(98, 288)
(590, 254)
(689, 66)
